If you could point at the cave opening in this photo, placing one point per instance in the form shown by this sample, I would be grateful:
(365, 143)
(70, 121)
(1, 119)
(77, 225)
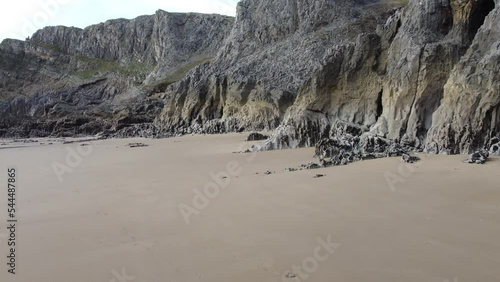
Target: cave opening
(380, 105)
(478, 15)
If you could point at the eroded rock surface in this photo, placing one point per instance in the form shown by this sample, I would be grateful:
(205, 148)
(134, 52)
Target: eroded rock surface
(479, 157)
(396, 82)
(108, 77)
(419, 74)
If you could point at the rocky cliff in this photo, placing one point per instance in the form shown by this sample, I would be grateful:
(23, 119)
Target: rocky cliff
(274, 49)
(316, 70)
(469, 113)
(67, 81)
(419, 72)
(422, 50)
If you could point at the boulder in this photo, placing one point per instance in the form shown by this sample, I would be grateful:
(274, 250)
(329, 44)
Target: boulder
(409, 159)
(257, 137)
(479, 157)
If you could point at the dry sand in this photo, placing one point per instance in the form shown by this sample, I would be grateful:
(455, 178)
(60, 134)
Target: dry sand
(118, 213)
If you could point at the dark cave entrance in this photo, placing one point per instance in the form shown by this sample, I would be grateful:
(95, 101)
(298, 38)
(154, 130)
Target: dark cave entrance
(478, 15)
(380, 105)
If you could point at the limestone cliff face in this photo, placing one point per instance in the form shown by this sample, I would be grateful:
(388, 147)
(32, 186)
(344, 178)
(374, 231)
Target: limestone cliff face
(273, 50)
(469, 114)
(164, 40)
(377, 66)
(433, 37)
(66, 81)
(391, 82)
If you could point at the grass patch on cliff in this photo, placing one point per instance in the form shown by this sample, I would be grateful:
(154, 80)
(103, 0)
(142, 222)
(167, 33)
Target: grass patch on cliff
(180, 73)
(47, 46)
(99, 67)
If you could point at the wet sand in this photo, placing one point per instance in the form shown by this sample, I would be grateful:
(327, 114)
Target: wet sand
(121, 214)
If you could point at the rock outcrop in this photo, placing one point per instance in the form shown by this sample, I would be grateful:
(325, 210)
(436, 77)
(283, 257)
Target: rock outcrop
(469, 114)
(272, 52)
(104, 78)
(479, 157)
(394, 81)
(255, 136)
(307, 68)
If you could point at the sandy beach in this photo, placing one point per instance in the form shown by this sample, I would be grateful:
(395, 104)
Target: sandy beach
(189, 209)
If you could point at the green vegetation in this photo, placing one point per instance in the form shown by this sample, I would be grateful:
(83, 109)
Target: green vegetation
(180, 73)
(99, 67)
(47, 46)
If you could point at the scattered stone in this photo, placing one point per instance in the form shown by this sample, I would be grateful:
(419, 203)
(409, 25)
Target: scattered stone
(319, 175)
(137, 145)
(290, 275)
(82, 140)
(268, 172)
(257, 137)
(478, 157)
(27, 141)
(410, 159)
(311, 166)
(247, 151)
(84, 145)
(290, 169)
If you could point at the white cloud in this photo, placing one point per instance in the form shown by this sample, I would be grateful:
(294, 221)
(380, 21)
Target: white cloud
(20, 19)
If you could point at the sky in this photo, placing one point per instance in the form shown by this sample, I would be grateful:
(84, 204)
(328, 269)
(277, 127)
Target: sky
(21, 18)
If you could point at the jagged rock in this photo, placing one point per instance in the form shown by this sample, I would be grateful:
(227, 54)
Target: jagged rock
(273, 51)
(469, 113)
(311, 166)
(495, 146)
(257, 137)
(409, 159)
(495, 149)
(478, 157)
(345, 149)
(337, 151)
(67, 81)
